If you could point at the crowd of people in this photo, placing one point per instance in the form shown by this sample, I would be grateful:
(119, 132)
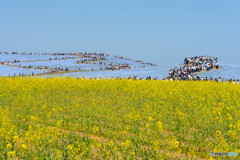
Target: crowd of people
(191, 66)
(122, 78)
(90, 60)
(197, 78)
(114, 67)
(27, 74)
(237, 81)
(81, 54)
(9, 62)
(61, 58)
(6, 62)
(219, 79)
(52, 70)
(93, 55)
(102, 63)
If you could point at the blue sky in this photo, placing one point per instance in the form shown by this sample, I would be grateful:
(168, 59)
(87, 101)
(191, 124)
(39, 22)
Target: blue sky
(163, 32)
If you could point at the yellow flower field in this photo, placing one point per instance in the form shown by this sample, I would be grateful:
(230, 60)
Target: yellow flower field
(69, 118)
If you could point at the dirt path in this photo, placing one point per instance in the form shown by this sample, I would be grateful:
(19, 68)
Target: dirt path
(11, 65)
(55, 60)
(63, 72)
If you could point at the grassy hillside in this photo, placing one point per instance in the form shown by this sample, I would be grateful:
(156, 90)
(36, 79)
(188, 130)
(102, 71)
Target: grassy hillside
(85, 119)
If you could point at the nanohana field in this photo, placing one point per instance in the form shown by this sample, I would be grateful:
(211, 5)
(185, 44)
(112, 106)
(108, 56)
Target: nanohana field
(76, 118)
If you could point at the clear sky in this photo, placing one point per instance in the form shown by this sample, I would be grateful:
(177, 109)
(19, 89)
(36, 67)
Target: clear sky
(160, 31)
